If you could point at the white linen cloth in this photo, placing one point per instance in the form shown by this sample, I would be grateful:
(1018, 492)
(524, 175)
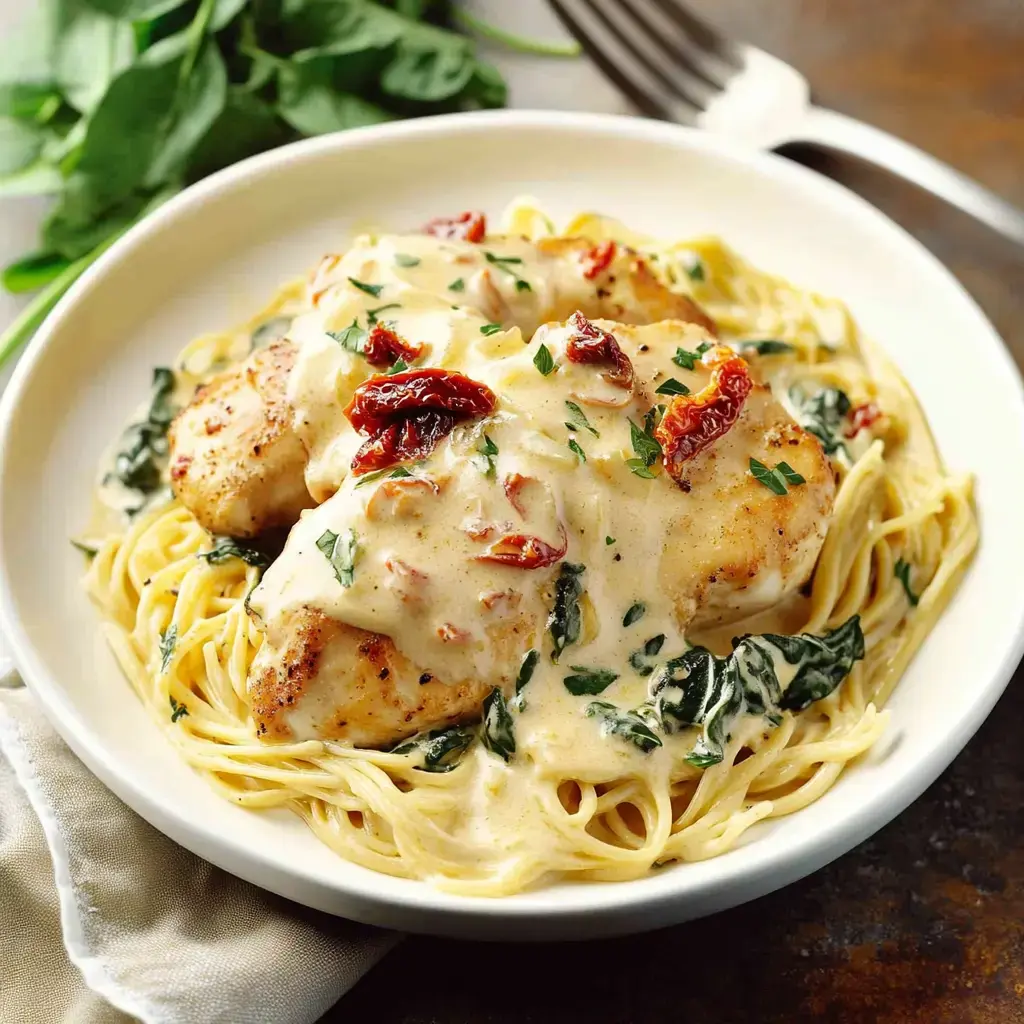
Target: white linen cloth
(104, 920)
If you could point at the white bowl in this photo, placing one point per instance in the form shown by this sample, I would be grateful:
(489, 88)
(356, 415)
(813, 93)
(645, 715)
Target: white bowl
(212, 255)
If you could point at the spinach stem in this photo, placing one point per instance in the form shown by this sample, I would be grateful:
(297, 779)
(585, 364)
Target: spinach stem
(196, 33)
(513, 41)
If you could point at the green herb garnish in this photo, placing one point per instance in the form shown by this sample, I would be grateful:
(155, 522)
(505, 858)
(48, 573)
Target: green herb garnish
(589, 680)
(405, 260)
(578, 419)
(168, 641)
(138, 464)
(226, 548)
(577, 450)
(696, 270)
(642, 661)
(373, 315)
(776, 479)
(352, 338)
(457, 285)
(440, 750)
(626, 724)
(646, 447)
(672, 387)
(768, 347)
(685, 358)
(506, 263)
(87, 549)
(489, 329)
(635, 613)
(487, 450)
(498, 731)
(902, 572)
(340, 550)
(398, 366)
(822, 415)
(379, 474)
(543, 361)
(564, 619)
(609, 541)
(370, 289)
(177, 710)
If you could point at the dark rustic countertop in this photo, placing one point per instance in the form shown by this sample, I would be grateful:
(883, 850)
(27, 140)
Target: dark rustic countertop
(924, 923)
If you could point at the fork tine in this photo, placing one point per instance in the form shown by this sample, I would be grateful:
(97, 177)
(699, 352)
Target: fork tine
(657, 58)
(617, 64)
(709, 69)
(703, 35)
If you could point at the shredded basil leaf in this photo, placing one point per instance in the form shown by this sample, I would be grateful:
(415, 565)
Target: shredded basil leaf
(672, 387)
(685, 358)
(352, 339)
(489, 329)
(405, 260)
(822, 415)
(340, 550)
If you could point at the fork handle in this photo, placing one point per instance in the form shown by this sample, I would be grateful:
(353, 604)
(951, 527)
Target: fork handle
(837, 131)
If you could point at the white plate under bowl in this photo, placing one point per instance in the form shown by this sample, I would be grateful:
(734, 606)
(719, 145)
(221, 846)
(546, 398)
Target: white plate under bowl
(211, 256)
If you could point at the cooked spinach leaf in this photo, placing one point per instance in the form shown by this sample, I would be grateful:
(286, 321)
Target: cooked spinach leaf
(498, 731)
(700, 689)
(626, 724)
(440, 749)
(177, 710)
(902, 572)
(139, 462)
(642, 661)
(340, 550)
(589, 680)
(564, 619)
(767, 347)
(634, 613)
(225, 548)
(526, 669)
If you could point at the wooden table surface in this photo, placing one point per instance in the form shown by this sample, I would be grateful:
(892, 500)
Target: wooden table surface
(924, 923)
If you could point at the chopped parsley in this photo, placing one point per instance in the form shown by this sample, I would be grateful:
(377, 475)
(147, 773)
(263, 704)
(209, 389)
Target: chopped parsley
(370, 289)
(379, 473)
(685, 358)
(457, 285)
(372, 315)
(489, 329)
(591, 681)
(609, 541)
(340, 550)
(484, 460)
(405, 260)
(776, 479)
(703, 347)
(578, 419)
(352, 339)
(902, 572)
(672, 387)
(635, 613)
(696, 270)
(543, 361)
(168, 641)
(646, 447)
(577, 450)
(506, 263)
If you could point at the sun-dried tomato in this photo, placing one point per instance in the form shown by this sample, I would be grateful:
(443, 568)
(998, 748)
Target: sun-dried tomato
(863, 416)
(512, 485)
(598, 259)
(407, 415)
(589, 344)
(524, 552)
(469, 227)
(384, 347)
(692, 422)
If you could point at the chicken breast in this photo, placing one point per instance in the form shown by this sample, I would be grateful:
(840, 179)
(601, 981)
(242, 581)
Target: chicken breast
(242, 450)
(454, 571)
(236, 462)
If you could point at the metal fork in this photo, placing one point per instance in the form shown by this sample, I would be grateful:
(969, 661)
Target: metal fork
(676, 67)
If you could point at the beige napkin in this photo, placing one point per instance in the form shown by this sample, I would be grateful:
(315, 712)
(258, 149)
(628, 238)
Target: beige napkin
(104, 920)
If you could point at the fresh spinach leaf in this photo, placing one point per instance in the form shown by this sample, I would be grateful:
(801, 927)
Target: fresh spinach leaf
(498, 732)
(565, 619)
(31, 272)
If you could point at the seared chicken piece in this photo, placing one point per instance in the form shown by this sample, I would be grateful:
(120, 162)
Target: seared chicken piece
(236, 462)
(238, 458)
(452, 572)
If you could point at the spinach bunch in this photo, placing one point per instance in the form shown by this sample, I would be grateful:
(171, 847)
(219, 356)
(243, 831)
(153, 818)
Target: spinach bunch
(699, 689)
(113, 106)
